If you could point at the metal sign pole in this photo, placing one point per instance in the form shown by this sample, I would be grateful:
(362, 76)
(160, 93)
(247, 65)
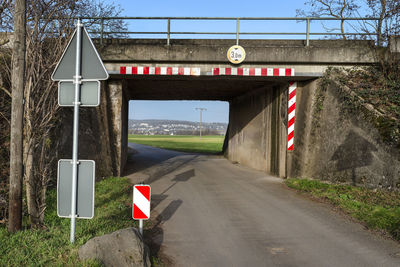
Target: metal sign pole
(77, 82)
(141, 227)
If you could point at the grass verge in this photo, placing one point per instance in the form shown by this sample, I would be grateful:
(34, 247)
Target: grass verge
(186, 143)
(378, 209)
(51, 247)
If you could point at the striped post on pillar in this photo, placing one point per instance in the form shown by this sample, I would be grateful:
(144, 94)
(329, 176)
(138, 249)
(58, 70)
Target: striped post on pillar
(291, 113)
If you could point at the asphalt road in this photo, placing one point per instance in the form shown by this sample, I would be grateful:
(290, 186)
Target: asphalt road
(207, 211)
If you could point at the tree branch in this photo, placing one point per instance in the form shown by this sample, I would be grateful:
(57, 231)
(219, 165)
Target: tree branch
(5, 91)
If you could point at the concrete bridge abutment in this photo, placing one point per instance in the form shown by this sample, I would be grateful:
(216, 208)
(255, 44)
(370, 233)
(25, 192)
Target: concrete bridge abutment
(118, 107)
(257, 129)
(103, 131)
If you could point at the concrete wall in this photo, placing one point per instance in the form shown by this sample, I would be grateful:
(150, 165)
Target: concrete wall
(94, 137)
(308, 62)
(118, 108)
(124, 130)
(257, 130)
(340, 146)
(102, 131)
(297, 159)
(198, 51)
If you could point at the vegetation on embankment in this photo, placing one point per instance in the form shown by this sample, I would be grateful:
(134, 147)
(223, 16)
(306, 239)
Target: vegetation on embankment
(51, 246)
(378, 209)
(380, 89)
(211, 144)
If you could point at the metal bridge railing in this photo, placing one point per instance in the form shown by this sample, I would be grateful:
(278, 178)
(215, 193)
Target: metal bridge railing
(307, 33)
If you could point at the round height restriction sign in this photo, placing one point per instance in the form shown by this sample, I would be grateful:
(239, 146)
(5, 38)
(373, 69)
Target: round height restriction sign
(236, 54)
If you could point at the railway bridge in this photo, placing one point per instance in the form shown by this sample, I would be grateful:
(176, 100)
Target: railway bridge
(198, 69)
(271, 94)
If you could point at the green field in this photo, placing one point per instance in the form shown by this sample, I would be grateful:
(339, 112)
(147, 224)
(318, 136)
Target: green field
(207, 144)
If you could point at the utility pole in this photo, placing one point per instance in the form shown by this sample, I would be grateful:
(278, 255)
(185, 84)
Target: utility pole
(17, 116)
(201, 116)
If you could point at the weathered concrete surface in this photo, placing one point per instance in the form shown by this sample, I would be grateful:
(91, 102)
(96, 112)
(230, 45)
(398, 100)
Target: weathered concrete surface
(196, 88)
(103, 131)
(394, 44)
(332, 144)
(297, 159)
(207, 211)
(7, 40)
(257, 51)
(119, 108)
(95, 142)
(121, 248)
(257, 130)
(308, 62)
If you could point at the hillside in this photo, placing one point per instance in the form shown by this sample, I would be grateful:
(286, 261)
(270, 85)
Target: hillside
(175, 127)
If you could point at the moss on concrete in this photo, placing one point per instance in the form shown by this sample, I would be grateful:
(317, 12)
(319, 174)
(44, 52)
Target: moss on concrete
(367, 92)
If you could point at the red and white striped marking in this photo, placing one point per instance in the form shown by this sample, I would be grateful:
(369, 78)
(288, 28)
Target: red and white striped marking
(291, 113)
(141, 202)
(188, 71)
(253, 71)
(139, 70)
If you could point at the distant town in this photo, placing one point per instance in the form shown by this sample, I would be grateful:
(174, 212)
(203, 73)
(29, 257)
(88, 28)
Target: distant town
(172, 127)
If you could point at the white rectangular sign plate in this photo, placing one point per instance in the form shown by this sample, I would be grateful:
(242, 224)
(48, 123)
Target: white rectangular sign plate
(85, 188)
(89, 97)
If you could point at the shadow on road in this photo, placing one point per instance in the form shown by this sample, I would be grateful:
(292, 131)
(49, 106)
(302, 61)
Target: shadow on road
(168, 167)
(154, 236)
(148, 164)
(156, 199)
(141, 157)
(184, 176)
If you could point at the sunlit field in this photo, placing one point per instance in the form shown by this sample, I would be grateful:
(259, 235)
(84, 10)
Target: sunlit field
(206, 144)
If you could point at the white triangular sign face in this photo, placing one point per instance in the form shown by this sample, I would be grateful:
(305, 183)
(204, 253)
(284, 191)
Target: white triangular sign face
(91, 65)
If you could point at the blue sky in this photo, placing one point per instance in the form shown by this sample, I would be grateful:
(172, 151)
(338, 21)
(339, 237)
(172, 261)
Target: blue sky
(209, 8)
(216, 111)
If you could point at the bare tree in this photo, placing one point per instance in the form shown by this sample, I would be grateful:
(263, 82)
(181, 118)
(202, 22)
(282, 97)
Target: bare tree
(41, 116)
(388, 23)
(101, 9)
(50, 24)
(387, 13)
(5, 117)
(4, 4)
(339, 9)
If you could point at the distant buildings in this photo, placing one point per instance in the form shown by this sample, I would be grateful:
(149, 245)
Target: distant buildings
(171, 127)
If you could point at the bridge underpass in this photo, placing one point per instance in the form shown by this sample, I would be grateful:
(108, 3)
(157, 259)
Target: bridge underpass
(257, 132)
(256, 90)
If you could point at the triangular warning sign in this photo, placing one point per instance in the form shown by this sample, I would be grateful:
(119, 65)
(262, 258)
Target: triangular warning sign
(91, 65)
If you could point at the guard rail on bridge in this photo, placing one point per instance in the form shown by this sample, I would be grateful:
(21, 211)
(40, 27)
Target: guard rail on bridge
(101, 22)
